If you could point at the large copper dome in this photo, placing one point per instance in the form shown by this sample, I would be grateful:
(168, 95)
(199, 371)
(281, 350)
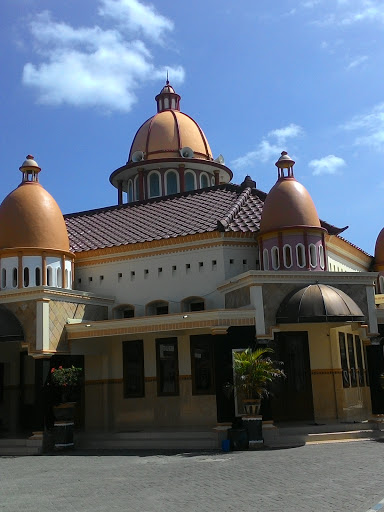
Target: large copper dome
(288, 204)
(30, 217)
(166, 133)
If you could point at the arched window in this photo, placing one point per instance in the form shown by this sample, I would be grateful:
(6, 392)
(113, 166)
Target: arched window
(14, 277)
(312, 255)
(287, 254)
(124, 311)
(204, 183)
(59, 281)
(3, 278)
(154, 184)
(26, 277)
(300, 255)
(67, 278)
(321, 256)
(275, 258)
(158, 307)
(130, 191)
(193, 304)
(212, 181)
(266, 259)
(37, 276)
(171, 182)
(136, 183)
(189, 181)
(49, 276)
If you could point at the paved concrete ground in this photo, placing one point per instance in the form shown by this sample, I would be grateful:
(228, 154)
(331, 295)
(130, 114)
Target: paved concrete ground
(342, 477)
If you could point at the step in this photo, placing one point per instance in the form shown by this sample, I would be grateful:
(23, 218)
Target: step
(345, 435)
(148, 440)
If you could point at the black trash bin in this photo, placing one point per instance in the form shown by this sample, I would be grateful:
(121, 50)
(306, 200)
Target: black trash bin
(238, 438)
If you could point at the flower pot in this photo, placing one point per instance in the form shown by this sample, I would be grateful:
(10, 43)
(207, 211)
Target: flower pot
(251, 406)
(64, 412)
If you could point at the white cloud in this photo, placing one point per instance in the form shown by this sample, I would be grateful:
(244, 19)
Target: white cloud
(91, 66)
(137, 18)
(370, 128)
(357, 62)
(287, 132)
(350, 12)
(330, 164)
(264, 152)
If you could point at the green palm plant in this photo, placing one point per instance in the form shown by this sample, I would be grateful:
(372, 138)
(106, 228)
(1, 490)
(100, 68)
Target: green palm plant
(254, 370)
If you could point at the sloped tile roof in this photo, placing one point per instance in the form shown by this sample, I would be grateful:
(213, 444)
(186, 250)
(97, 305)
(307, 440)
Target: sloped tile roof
(223, 208)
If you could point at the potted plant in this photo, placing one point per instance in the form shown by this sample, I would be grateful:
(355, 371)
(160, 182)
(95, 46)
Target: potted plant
(254, 370)
(66, 380)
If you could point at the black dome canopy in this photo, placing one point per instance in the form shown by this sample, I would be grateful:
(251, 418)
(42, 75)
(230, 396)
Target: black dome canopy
(10, 327)
(318, 303)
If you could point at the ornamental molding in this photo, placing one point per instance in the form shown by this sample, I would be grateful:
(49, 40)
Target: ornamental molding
(259, 278)
(42, 293)
(202, 320)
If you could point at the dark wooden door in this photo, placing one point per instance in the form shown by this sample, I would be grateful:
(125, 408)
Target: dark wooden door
(292, 397)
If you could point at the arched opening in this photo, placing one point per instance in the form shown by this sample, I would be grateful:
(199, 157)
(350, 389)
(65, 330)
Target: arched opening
(171, 182)
(313, 255)
(59, 278)
(204, 183)
(275, 258)
(287, 254)
(26, 277)
(136, 183)
(190, 181)
(321, 257)
(154, 184)
(14, 278)
(157, 307)
(193, 304)
(49, 276)
(37, 276)
(130, 191)
(300, 255)
(3, 278)
(266, 259)
(124, 311)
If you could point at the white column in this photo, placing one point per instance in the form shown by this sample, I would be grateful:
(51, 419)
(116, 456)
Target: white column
(42, 324)
(257, 302)
(372, 318)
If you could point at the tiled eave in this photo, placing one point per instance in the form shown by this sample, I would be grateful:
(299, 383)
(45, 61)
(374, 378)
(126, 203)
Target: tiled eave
(254, 277)
(216, 321)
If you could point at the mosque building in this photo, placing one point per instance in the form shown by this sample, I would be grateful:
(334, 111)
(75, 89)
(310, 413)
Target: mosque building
(150, 297)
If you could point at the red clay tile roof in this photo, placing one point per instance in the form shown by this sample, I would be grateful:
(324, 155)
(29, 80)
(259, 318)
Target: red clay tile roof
(223, 208)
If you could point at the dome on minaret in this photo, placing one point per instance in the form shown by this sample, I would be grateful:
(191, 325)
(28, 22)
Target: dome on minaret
(30, 217)
(379, 250)
(169, 154)
(288, 204)
(169, 131)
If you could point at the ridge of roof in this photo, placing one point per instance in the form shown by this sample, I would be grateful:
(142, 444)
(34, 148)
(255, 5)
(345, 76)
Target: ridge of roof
(223, 224)
(355, 246)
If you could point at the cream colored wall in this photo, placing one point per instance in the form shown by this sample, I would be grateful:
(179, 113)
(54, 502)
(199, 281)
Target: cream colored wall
(105, 405)
(330, 399)
(168, 285)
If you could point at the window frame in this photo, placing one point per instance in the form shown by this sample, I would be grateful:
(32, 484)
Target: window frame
(140, 367)
(159, 373)
(196, 343)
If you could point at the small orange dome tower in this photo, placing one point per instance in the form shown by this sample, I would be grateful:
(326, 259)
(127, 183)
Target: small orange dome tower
(34, 245)
(169, 154)
(291, 236)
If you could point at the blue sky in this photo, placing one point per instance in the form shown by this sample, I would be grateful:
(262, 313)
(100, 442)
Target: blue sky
(79, 78)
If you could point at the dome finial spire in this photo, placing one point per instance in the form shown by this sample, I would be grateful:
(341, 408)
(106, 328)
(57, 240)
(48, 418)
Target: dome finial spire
(167, 82)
